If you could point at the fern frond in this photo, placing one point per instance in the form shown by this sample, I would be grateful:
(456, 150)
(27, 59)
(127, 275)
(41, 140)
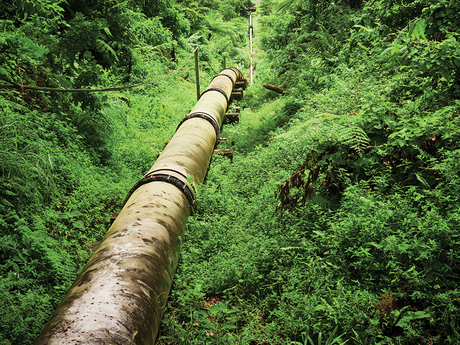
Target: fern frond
(105, 48)
(319, 41)
(319, 200)
(355, 137)
(214, 22)
(326, 127)
(287, 5)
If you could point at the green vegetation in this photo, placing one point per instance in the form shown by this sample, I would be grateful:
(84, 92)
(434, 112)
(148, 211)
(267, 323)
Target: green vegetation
(338, 219)
(67, 160)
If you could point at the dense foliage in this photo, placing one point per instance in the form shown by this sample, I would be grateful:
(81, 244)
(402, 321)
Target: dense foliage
(67, 160)
(337, 219)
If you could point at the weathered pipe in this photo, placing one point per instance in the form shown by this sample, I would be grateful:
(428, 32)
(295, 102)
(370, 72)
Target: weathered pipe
(120, 294)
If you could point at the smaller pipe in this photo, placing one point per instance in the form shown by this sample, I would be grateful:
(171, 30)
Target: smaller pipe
(251, 67)
(250, 33)
(197, 76)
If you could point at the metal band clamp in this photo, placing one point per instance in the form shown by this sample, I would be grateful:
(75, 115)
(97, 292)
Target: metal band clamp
(223, 75)
(231, 69)
(206, 117)
(152, 176)
(219, 90)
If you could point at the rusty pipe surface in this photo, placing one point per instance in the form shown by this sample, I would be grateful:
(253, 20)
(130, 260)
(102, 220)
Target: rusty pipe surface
(120, 294)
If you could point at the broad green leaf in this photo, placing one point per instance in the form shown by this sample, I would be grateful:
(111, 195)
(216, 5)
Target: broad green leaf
(79, 224)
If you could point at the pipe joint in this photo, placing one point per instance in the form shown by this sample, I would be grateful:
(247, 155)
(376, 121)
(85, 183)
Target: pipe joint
(224, 75)
(234, 70)
(167, 175)
(204, 116)
(218, 89)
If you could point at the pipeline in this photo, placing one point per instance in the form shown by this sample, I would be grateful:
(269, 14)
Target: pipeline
(120, 295)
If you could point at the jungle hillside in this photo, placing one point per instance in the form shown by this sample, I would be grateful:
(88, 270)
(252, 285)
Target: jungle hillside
(336, 221)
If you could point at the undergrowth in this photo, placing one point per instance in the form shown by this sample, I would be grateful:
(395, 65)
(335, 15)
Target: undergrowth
(337, 219)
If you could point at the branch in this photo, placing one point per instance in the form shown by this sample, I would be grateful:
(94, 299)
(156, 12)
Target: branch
(274, 88)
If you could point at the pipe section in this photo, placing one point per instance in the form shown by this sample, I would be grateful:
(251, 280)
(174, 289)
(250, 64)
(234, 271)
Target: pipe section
(120, 294)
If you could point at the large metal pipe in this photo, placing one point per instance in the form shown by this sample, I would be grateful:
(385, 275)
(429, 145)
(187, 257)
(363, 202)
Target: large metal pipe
(120, 294)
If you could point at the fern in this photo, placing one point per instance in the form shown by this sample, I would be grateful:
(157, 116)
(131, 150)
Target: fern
(25, 167)
(326, 137)
(319, 43)
(287, 5)
(214, 24)
(328, 128)
(106, 49)
(355, 137)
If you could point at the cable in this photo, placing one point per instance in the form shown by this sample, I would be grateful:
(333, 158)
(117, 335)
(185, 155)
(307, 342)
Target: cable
(211, 67)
